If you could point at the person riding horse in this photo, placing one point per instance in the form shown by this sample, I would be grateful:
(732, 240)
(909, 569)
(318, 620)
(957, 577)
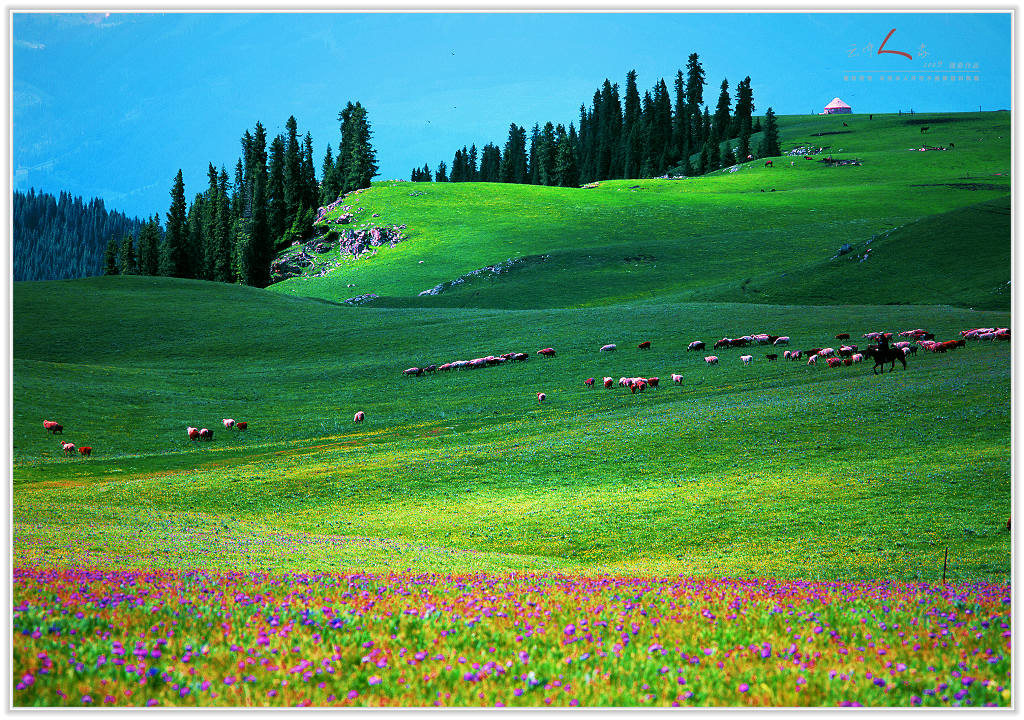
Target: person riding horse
(882, 354)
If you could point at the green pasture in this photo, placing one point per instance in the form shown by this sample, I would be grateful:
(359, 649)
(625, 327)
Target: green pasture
(725, 236)
(775, 469)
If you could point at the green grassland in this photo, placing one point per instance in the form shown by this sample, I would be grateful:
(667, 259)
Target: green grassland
(778, 469)
(717, 237)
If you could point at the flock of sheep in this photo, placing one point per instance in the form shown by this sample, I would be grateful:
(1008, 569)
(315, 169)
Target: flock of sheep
(843, 356)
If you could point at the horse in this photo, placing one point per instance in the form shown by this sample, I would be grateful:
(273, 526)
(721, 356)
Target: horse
(891, 355)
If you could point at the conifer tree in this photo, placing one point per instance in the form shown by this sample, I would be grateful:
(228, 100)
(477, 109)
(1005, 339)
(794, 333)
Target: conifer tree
(722, 121)
(567, 169)
(126, 256)
(441, 174)
(195, 247)
(473, 173)
(728, 157)
(632, 152)
(173, 258)
(769, 146)
(680, 126)
(149, 247)
(260, 245)
(291, 179)
(743, 148)
(110, 257)
(310, 190)
(513, 160)
(277, 201)
(695, 97)
(356, 157)
(222, 266)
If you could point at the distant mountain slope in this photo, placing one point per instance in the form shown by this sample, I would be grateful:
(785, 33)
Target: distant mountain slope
(691, 238)
(56, 238)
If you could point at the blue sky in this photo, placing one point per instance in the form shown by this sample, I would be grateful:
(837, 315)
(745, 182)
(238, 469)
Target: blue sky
(112, 105)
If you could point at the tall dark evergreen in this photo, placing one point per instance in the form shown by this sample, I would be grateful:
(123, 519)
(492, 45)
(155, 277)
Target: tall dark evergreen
(513, 158)
(173, 259)
(309, 197)
(110, 258)
(221, 265)
(680, 125)
(441, 174)
(149, 247)
(743, 152)
(660, 134)
(769, 146)
(632, 151)
(278, 217)
(490, 163)
(744, 105)
(195, 244)
(126, 257)
(472, 168)
(695, 98)
(292, 179)
(722, 121)
(567, 169)
(356, 157)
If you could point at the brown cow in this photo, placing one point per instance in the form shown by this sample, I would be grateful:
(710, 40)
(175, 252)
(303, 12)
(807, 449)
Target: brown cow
(86, 451)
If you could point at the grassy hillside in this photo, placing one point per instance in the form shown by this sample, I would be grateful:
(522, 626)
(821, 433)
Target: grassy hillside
(777, 469)
(736, 236)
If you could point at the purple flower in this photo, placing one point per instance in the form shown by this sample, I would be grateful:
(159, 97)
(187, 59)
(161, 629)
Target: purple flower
(570, 629)
(374, 680)
(743, 687)
(352, 695)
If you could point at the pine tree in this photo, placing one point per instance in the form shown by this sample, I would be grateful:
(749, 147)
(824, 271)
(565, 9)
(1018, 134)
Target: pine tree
(680, 124)
(277, 201)
(728, 157)
(149, 247)
(195, 246)
(744, 105)
(110, 258)
(441, 174)
(743, 152)
(769, 146)
(695, 98)
(473, 173)
(291, 179)
(325, 171)
(660, 132)
(310, 188)
(260, 245)
(490, 163)
(531, 176)
(173, 258)
(513, 160)
(632, 152)
(722, 121)
(356, 156)
(567, 166)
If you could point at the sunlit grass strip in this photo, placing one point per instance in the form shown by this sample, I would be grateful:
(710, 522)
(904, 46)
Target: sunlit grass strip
(148, 638)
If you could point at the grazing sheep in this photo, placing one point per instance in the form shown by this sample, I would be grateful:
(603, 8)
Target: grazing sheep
(771, 357)
(228, 423)
(206, 434)
(812, 360)
(827, 352)
(589, 382)
(833, 362)
(540, 397)
(711, 359)
(608, 382)
(843, 336)
(695, 345)
(608, 348)
(242, 425)
(857, 357)
(653, 381)
(68, 448)
(413, 371)
(85, 450)
(781, 340)
(645, 345)
(359, 417)
(747, 359)
(677, 379)
(53, 427)
(193, 433)
(546, 352)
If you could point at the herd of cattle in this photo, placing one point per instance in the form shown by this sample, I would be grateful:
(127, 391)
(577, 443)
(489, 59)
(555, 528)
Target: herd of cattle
(845, 355)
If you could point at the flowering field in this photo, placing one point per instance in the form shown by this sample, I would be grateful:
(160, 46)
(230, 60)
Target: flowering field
(163, 638)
